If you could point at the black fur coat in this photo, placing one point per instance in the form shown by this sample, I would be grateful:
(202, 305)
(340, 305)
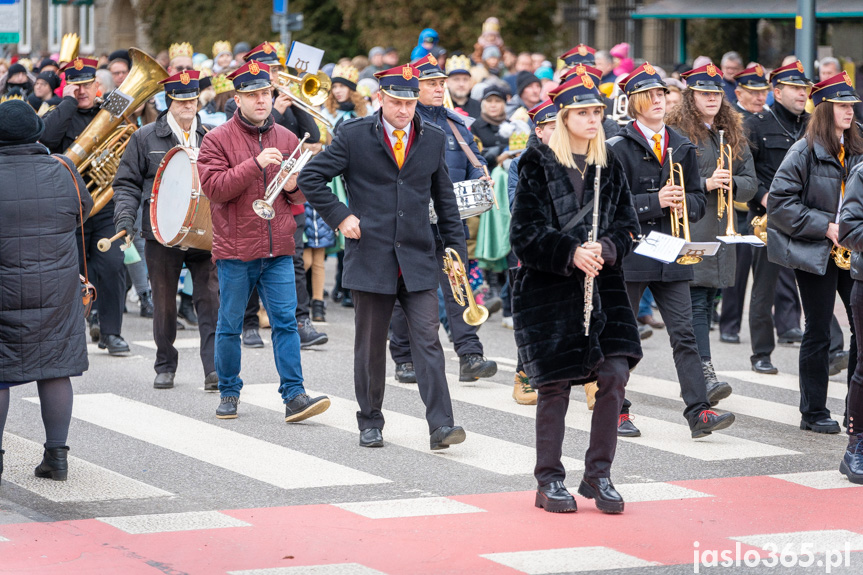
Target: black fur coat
(548, 293)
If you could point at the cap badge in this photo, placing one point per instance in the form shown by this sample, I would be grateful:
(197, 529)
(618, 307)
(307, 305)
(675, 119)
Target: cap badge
(432, 60)
(649, 69)
(254, 68)
(711, 70)
(587, 81)
(407, 73)
(79, 64)
(580, 70)
(759, 71)
(185, 78)
(268, 49)
(582, 50)
(799, 66)
(847, 78)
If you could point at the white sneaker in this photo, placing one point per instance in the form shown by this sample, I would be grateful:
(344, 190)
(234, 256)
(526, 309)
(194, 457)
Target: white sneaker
(507, 322)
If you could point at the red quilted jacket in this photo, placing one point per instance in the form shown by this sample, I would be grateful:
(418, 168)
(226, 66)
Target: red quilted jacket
(232, 179)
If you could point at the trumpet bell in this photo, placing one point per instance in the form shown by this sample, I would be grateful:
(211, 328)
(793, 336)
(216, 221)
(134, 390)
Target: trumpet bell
(475, 316)
(263, 209)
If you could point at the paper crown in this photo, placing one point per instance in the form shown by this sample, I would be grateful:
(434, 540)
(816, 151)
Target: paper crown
(180, 50)
(518, 140)
(458, 65)
(221, 84)
(220, 47)
(347, 75)
(69, 47)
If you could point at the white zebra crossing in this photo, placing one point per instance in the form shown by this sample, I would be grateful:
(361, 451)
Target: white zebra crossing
(789, 381)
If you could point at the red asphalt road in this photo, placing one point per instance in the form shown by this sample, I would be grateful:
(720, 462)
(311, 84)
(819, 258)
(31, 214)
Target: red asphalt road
(662, 532)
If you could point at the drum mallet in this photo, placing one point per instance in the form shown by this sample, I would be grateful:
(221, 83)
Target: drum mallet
(105, 243)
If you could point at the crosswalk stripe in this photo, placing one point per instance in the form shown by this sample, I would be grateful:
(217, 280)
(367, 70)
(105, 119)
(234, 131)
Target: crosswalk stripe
(573, 559)
(772, 411)
(830, 540)
(87, 482)
(656, 433)
(482, 451)
(399, 508)
(242, 454)
(172, 522)
(788, 381)
(830, 479)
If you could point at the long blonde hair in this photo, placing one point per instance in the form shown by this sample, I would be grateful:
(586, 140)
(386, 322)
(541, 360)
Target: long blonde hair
(559, 143)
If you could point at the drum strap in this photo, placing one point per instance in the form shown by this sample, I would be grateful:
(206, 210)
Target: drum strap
(80, 211)
(471, 157)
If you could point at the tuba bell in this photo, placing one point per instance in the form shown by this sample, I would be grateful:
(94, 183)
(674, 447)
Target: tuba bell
(308, 92)
(97, 151)
(475, 314)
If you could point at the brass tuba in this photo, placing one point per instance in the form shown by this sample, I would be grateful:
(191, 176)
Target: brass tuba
(759, 227)
(475, 314)
(97, 151)
(675, 178)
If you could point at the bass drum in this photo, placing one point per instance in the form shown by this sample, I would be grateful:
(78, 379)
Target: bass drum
(179, 212)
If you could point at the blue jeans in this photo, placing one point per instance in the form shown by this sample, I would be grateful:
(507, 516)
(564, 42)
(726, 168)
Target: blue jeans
(274, 278)
(645, 306)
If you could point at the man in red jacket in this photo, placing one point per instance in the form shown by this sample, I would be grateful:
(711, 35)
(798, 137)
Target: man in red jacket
(236, 163)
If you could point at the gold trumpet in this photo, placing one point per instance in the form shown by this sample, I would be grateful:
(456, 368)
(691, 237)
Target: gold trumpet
(675, 178)
(725, 195)
(313, 90)
(475, 314)
(759, 227)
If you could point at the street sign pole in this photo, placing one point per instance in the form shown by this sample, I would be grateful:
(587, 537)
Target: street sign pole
(804, 39)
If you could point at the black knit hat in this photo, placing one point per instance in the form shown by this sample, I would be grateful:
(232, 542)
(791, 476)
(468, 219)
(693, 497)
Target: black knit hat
(523, 80)
(15, 68)
(19, 123)
(51, 78)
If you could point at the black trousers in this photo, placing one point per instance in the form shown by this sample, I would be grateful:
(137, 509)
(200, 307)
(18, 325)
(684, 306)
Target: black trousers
(464, 337)
(165, 265)
(372, 319)
(551, 406)
(818, 296)
(675, 305)
(772, 286)
(855, 384)
(106, 270)
(702, 312)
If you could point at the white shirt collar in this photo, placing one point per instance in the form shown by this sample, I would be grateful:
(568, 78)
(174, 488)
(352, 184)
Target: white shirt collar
(648, 133)
(389, 129)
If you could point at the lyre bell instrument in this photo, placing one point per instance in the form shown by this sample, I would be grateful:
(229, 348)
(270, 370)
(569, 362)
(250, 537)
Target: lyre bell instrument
(311, 92)
(290, 166)
(591, 237)
(841, 257)
(620, 112)
(475, 314)
(675, 178)
(725, 194)
(97, 151)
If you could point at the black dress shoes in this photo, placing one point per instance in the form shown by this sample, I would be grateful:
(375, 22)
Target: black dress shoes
(729, 338)
(603, 493)
(211, 382)
(851, 466)
(55, 464)
(763, 365)
(710, 421)
(115, 344)
(444, 436)
(473, 366)
(794, 335)
(164, 380)
(554, 498)
(838, 362)
(625, 427)
(825, 425)
(303, 407)
(371, 437)
(251, 338)
(405, 372)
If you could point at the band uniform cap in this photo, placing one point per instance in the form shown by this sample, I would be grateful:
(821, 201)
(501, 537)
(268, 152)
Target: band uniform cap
(580, 70)
(459, 64)
(642, 79)
(401, 82)
(251, 77)
(578, 92)
(221, 47)
(80, 70)
(184, 85)
(346, 75)
(264, 53)
(543, 112)
(836, 89)
(793, 75)
(707, 78)
(429, 68)
(183, 49)
(752, 78)
(580, 54)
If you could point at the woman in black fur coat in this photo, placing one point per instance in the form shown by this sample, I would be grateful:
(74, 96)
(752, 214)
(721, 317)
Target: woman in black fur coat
(555, 181)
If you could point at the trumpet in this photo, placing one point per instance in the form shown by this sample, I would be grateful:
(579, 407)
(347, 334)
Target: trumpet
(725, 195)
(289, 167)
(675, 178)
(475, 314)
(841, 257)
(313, 92)
(759, 227)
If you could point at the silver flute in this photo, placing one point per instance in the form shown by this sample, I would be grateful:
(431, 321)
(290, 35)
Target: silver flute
(591, 237)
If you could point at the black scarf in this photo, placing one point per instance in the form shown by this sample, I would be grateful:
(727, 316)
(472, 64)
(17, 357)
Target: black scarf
(347, 106)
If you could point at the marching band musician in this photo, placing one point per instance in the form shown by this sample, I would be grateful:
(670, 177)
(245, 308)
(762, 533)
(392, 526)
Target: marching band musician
(555, 182)
(179, 125)
(62, 126)
(803, 209)
(393, 162)
(464, 162)
(701, 114)
(237, 162)
(642, 147)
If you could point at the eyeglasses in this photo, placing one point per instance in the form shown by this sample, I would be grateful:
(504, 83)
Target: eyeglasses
(184, 68)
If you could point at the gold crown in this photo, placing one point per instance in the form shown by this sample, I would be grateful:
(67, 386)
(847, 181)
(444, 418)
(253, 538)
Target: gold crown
(459, 62)
(518, 141)
(347, 72)
(221, 84)
(10, 97)
(27, 63)
(221, 46)
(69, 48)
(178, 50)
(281, 52)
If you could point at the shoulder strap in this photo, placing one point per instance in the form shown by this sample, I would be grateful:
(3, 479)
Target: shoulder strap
(471, 157)
(81, 212)
(578, 217)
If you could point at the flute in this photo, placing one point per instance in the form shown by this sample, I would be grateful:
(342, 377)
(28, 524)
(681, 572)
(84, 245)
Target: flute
(594, 232)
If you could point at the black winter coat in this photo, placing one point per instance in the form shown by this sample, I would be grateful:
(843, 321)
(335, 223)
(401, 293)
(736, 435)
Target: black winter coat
(133, 183)
(493, 144)
(646, 177)
(548, 292)
(851, 221)
(41, 318)
(805, 197)
(391, 204)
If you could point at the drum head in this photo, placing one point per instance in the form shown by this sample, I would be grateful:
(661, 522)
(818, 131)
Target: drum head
(174, 194)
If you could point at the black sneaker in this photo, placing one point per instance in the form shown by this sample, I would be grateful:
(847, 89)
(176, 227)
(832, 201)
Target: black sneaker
(251, 338)
(303, 407)
(405, 372)
(227, 407)
(710, 421)
(309, 336)
(319, 312)
(187, 309)
(211, 382)
(115, 344)
(625, 427)
(474, 366)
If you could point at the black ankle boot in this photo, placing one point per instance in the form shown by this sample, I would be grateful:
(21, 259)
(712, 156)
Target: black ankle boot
(1, 464)
(54, 464)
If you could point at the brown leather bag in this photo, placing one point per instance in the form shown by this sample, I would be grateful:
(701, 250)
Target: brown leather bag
(88, 290)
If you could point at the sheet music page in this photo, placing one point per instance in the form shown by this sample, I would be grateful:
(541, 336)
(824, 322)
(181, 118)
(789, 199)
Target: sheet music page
(751, 240)
(700, 249)
(659, 246)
